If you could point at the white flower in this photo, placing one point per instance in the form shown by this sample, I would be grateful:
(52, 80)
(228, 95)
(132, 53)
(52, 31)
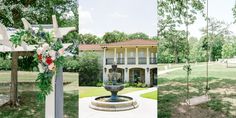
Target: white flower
(51, 66)
(41, 70)
(61, 51)
(39, 51)
(45, 46)
(52, 53)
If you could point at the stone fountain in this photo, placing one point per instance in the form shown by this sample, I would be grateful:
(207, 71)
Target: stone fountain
(113, 102)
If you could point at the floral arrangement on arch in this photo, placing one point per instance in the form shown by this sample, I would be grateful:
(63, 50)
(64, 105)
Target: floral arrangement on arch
(49, 54)
(48, 57)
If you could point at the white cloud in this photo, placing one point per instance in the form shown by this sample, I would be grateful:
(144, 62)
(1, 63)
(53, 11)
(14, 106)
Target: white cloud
(118, 15)
(85, 17)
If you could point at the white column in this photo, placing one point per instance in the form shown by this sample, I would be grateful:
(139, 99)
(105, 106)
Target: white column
(50, 101)
(148, 62)
(105, 76)
(136, 55)
(104, 57)
(126, 75)
(115, 55)
(126, 58)
(147, 76)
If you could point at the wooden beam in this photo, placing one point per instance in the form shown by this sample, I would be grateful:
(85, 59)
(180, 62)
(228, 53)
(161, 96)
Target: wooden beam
(13, 90)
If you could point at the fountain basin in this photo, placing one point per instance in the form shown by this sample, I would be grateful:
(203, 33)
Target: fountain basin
(123, 103)
(114, 89)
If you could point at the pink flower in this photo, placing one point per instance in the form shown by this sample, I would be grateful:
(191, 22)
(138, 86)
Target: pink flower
(51, 66)
(39, 51)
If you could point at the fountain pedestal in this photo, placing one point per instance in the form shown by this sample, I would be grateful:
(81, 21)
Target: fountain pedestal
(113, 102)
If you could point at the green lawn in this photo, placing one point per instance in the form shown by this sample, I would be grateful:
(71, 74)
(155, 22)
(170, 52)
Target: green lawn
(24, 76)
(150, 95)
(222, 81)
(99, 91)
(31, 108)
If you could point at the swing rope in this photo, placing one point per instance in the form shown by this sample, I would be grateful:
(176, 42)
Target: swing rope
(207, 54)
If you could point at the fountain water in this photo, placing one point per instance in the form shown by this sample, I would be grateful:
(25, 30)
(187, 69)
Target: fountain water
(114, 102)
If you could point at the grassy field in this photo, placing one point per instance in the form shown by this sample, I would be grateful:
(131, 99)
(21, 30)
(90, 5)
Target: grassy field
(172, 92)
(31, 108)
(24, 76)
(150, 95)
(99, 91)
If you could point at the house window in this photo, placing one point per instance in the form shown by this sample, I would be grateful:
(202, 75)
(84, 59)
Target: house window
(136, 76)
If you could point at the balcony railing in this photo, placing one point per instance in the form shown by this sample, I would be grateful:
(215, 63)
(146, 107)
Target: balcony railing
(142, 60)
(131, 61)
(109, 61)
(120, 60)
(153, 60)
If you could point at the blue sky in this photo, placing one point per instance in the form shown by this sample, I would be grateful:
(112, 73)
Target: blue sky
(130, 16)
(219, 9)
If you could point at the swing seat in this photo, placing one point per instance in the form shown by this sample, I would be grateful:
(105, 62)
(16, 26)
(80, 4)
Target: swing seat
(198, 100)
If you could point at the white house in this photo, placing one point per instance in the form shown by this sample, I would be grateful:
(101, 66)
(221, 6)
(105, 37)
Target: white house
(136, 59)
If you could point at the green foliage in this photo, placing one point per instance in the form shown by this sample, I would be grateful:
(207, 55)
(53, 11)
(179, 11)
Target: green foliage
(89, 69)
(228, 50)
(234, 12)
(115, 36)
(71, 65)
(38, 12)
(44, 84)
(27, 63)
(90, 39)
(138, 35)
(5, 64)
(174, 12)
(172, 46)
(99, 84)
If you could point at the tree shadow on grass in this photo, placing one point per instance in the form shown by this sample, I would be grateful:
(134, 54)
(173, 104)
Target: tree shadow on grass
(169, 104)
(31, 108)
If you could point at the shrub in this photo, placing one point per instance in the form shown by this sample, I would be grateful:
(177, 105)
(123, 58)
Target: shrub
(71, 65)
(99, 84)
(89, 69)
(5, 64)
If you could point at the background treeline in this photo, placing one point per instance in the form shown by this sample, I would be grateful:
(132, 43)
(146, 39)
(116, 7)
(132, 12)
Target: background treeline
(221, 44)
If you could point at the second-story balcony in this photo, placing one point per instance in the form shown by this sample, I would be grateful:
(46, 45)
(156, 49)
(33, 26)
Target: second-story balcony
(142, 60)
(153, 60)
(109, 61)
(120, 60)
(131, 61)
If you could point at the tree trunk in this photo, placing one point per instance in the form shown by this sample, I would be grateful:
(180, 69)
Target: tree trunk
(13, 90)
(176, 56)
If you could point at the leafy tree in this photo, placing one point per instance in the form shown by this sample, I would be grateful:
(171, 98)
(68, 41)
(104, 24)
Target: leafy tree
(176, 13)
(175, 42)
(138, 35)
(36, 11)
(114, 36)
(234, 12)
(90, 39)
(229, 48)
(173, 13)
(88, 69)
(218, 30)
(228, 51)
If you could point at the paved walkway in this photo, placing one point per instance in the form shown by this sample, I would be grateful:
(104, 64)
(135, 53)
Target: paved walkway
(147, 108)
